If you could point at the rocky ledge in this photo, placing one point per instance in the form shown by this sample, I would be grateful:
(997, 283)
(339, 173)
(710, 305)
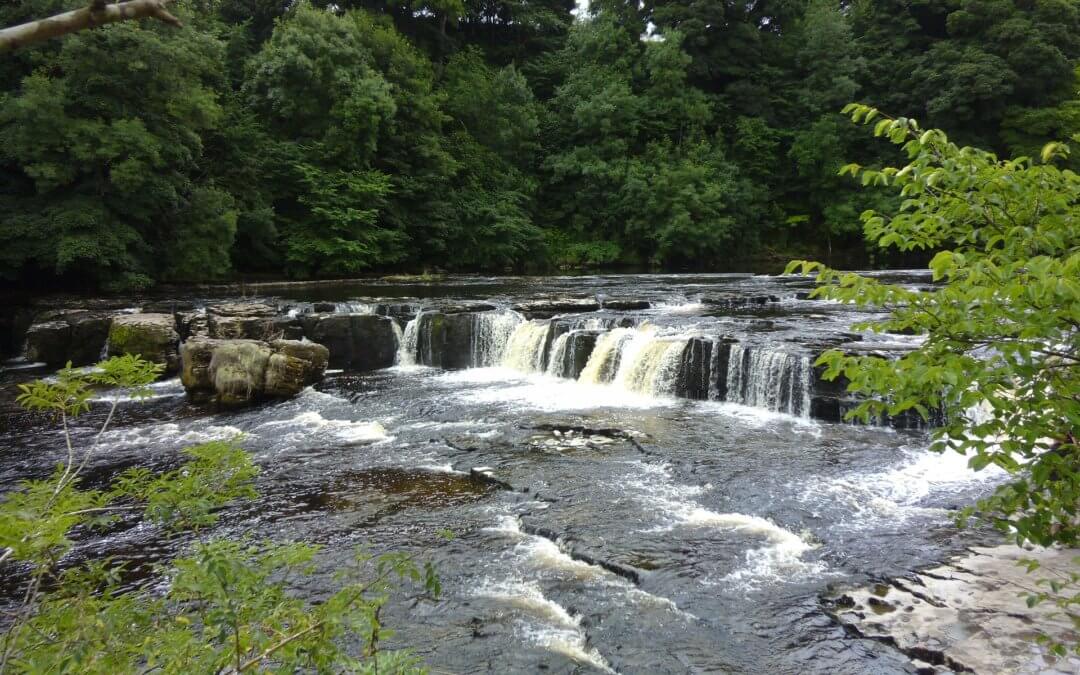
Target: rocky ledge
(969, 615)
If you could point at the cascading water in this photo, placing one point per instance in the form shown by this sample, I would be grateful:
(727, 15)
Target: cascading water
(604, 361)
(773, 380)
(406, 355)
(527, 348)
(491, 336)
(557, 363)
(354, 308)
(653, 367)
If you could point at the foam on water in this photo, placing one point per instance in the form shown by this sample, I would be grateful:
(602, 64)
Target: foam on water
(558, 630)
(168, 433)
(312, 422)
(779, 560)
(544, 393)
(898, 493)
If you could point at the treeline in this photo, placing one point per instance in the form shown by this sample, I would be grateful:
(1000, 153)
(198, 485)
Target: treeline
(309, 139)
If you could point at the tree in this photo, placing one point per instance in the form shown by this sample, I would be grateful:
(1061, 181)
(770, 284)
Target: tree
(1000, 358)
(119, 182)
(228, 607)
(98, 13)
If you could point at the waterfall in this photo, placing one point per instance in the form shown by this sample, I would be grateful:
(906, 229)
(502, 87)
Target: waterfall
(399, 341)
(354, 308)
(767, 379)
(557, 363)
(603, 363)
(652, 365)
(491, 336)
(526, 349)
(406, 355)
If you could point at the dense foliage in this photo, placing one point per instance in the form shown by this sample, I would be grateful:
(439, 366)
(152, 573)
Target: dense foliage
(329, 139)
(228, 606)
(1001, 352)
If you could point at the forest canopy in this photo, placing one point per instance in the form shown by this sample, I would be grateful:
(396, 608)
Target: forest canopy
(310, 139)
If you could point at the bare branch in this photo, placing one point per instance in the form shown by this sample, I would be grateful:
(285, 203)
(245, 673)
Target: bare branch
(97, 14)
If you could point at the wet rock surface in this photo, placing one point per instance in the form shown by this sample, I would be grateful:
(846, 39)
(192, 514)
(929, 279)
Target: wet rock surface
(151, 336)
(355, 341)
(239, 372)
(60, 336)
(969, 615)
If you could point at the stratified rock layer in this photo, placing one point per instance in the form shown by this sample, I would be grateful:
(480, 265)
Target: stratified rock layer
(970, 615)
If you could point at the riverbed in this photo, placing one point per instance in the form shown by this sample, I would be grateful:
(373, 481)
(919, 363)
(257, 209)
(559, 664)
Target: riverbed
(603, 519)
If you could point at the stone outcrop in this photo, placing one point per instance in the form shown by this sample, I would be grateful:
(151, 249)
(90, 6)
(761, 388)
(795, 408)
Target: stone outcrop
(67, 335)
(151, 336)
(238, 372)
(626, 304)
(738, 300)
(241, 321)
(970, 615)
(355, 341)
(542, 309)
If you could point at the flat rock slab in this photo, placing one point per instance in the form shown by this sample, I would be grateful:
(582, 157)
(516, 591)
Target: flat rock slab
(970, 615)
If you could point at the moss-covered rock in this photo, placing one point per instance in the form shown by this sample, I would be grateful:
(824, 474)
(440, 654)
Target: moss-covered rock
(238, 372)
(151, 336)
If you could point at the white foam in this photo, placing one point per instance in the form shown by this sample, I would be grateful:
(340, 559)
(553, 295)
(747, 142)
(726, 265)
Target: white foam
(168, 433)
(560, 631)
(897, 493)
(780, 559)
(545, 393)
(311, 422)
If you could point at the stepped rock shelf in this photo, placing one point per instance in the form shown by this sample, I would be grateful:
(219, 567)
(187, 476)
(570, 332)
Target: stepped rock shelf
(749, 343)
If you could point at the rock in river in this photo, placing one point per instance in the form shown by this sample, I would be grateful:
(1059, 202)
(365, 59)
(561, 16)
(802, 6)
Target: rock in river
(237, 372)
(355, 341)
(151, 336)
(67, 335)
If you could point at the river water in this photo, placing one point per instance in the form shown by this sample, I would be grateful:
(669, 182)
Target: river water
(634, 531)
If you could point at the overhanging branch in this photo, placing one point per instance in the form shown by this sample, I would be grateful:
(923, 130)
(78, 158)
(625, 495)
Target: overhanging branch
(97, 14)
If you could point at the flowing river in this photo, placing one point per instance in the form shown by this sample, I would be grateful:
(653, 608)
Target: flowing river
(649, 490)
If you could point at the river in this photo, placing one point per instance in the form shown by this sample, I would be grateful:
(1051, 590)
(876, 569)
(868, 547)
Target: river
(626, 528)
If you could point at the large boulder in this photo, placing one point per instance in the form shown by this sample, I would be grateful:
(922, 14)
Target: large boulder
(151, 336)
(241, 320)
(238, 372)
(355, 341)
(68, 335)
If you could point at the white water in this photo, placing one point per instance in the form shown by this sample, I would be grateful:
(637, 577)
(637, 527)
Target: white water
(492, 332)
(558, 356)
(772, 380)
(779, 559)
(604, 360)
(526, 348)
(406, 355)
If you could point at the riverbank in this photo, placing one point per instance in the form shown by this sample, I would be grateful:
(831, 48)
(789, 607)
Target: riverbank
(969, 615)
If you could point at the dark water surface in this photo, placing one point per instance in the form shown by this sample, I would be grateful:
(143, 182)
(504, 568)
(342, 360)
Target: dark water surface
(726, 521)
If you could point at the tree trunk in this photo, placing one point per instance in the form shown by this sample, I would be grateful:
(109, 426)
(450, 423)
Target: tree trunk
(97, 14)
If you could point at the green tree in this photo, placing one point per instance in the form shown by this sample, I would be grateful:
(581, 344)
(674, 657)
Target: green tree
(228, 607)
(118, 182)
(1001, 352)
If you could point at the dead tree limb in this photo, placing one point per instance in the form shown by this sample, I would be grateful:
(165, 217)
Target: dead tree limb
(97, 14)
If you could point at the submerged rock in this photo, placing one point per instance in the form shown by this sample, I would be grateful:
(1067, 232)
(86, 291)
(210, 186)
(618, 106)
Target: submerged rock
(151, 336)
(238, 372)
(355, 341)
(968, 615)
(68, 335)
